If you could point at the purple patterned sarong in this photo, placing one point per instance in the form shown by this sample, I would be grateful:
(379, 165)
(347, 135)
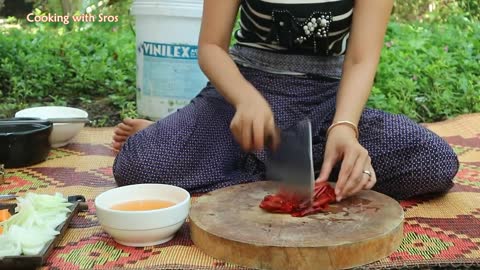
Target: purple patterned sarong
(193, 148)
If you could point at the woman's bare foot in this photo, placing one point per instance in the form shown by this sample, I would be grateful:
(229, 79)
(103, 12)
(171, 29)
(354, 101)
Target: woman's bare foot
(126, 129)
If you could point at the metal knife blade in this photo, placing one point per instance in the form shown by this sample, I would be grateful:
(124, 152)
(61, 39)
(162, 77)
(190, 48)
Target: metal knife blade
(7, 197)
(291, 162)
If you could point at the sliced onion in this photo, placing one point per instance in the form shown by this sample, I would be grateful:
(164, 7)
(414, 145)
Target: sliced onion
(32, 239)
(33, 225)
(9, 246)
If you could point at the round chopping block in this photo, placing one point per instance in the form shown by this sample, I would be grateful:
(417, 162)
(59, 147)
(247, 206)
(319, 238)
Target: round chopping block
(229, 225)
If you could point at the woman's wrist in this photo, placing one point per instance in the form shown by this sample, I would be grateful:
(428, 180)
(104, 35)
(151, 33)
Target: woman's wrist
(245, 94)
(344, 124)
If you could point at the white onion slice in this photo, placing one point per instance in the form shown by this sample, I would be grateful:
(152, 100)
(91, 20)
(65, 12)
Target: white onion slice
(9, 246)
(33, 225)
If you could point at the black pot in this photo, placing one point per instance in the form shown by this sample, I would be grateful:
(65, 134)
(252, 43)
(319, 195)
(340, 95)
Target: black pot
(24, 144)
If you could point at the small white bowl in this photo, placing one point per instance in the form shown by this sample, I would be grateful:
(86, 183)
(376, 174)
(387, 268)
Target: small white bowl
(143, 228)
(62, 133)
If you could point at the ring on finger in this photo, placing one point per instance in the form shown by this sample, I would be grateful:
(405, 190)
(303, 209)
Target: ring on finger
(367, 172)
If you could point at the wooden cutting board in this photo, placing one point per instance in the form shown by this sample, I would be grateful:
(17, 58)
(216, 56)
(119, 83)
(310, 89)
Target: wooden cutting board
(228, 224)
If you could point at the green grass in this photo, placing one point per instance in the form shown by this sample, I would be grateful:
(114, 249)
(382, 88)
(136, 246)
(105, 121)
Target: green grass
(428, 71)
(87, 65)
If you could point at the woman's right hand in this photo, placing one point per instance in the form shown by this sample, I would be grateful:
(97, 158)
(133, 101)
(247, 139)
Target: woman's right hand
(253, 124)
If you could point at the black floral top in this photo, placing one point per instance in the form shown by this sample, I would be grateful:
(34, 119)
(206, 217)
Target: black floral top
(296, 26)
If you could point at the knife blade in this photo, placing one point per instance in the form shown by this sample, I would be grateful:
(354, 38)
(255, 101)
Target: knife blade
(291, 162)
(7, 197)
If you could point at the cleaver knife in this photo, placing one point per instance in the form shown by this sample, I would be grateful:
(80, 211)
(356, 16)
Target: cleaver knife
(291, 162)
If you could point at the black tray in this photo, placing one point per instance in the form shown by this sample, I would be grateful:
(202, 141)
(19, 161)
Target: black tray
(35, 261)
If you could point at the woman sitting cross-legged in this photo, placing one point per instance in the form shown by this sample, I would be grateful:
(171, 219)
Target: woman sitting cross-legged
(292, 60)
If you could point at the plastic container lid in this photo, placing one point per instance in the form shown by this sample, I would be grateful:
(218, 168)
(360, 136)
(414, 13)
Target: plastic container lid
(174, 8)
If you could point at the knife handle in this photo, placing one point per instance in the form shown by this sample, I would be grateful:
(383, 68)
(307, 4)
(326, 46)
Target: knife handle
(272, 140)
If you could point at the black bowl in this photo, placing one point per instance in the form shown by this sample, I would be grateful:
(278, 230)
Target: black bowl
(23, 145)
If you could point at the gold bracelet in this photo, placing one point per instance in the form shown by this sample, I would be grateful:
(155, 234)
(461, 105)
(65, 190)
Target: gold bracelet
(348, 123)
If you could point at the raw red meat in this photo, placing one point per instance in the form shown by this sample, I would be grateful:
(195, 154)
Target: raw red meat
(283, 202)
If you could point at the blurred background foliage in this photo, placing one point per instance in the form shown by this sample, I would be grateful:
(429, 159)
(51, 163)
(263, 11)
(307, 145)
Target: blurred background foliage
(429, 66)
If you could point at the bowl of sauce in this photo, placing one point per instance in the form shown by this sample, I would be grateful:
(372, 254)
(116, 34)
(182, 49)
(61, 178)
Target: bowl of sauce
(142, 205)
(144, 214)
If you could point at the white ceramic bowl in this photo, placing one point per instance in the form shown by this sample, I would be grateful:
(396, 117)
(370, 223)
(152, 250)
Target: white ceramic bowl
(143, 228)
(62, 133)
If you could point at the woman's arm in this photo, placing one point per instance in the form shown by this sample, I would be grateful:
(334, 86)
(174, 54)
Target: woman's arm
(219, 17)
(253, 120)
(370, 19)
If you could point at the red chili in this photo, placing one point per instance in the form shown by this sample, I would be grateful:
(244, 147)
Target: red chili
(283, 202)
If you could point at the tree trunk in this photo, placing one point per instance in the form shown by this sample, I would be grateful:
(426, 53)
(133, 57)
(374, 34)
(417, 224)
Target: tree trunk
(69, 7)
(66, 7)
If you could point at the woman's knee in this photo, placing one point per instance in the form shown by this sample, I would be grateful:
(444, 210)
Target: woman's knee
(139, 163)
(443, 162)
(127, 167)
(429, 168)
(439, 165)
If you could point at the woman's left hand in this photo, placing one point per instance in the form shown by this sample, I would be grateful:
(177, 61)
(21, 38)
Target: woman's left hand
(356, 163)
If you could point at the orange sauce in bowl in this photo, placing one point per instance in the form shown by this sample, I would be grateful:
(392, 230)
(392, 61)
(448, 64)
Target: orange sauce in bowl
(142, 205)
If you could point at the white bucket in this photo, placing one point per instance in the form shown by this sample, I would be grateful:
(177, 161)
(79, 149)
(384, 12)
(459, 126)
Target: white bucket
(168, 74)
